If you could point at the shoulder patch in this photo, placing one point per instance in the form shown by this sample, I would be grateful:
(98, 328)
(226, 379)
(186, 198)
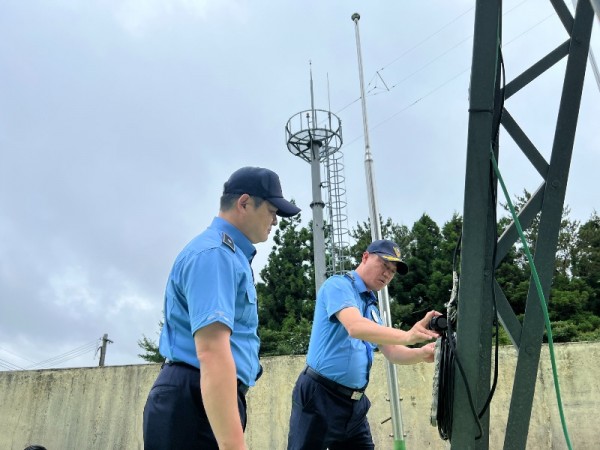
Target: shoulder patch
(228, 242)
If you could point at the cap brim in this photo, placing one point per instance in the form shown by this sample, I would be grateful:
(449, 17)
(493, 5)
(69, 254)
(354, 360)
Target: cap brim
(401, 266)
(284, 208)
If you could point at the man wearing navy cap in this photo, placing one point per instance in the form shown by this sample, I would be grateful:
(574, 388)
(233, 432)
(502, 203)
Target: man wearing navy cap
(209, 337)
(329, 408)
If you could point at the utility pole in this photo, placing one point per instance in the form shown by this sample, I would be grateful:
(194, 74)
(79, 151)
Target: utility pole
(105, 341)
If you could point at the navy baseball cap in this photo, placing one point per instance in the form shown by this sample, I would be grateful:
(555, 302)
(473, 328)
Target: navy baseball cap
(260, 182)
(389, 251)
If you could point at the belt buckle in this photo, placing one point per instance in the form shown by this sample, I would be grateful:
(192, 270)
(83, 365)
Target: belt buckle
(356, 395)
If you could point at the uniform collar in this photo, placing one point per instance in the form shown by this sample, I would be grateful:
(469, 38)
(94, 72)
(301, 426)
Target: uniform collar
(361, 287)
(240, 240)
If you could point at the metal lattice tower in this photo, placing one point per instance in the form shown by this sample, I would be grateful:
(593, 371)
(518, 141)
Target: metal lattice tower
(315, 136)
(482, 252)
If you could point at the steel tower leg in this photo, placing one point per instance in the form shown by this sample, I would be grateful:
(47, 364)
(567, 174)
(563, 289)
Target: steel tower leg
(475, 314)
(549, 226)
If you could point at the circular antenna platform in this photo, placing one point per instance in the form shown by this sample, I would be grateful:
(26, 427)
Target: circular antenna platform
(310, 127)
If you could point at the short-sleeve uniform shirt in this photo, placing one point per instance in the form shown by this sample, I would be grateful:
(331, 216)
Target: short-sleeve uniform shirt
(212, 281)
(332, 352)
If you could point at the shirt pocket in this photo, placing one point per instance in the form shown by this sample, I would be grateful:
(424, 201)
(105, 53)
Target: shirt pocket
(251, 292)
(248, 314)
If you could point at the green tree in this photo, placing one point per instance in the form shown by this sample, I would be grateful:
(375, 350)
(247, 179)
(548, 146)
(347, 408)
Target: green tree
(586, 260)
(150, 348)
(414, 289)
(440, 282)
(566, 235)
(568, 298)
(513, 275)
(362, 237)
(287, 292)
(514, 272)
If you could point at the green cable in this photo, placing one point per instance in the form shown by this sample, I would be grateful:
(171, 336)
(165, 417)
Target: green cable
(542, 300)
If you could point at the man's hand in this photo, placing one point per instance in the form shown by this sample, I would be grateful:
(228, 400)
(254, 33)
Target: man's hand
(362, 328)
(420, 331)
(428, 352)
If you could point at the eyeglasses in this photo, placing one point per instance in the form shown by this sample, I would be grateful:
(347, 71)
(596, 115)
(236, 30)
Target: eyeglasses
(388, 266)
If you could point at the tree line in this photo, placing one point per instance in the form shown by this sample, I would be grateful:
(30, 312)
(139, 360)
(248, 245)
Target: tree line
(286, 292)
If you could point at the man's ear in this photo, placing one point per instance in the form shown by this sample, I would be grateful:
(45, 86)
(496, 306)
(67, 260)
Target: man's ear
(243, 201)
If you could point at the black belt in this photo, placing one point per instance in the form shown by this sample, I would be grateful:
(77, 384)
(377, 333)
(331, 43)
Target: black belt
(168, 362)
(352, 394)
(242, 388)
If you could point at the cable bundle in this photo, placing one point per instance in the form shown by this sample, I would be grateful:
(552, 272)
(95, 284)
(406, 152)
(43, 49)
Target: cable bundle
(445, 393)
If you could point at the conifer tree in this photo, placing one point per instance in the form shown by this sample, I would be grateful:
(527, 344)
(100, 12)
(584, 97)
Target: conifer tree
(286, 294)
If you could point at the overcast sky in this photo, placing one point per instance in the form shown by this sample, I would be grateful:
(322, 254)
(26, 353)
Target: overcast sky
(121, 119)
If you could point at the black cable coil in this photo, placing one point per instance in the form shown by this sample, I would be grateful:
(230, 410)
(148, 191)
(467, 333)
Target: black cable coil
(446, 386)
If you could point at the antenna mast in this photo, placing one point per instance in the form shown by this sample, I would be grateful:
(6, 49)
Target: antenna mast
(384, 300)
(314, 135)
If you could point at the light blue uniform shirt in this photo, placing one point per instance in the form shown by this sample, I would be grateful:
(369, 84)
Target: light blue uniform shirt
(331, 351)
(211, 281)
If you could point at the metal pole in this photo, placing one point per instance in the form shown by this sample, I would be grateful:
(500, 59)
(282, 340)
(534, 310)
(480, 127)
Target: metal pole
(317, 204)
(384, 301)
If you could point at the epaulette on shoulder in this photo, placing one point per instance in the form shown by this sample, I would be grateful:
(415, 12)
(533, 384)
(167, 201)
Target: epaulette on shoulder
(228, 242)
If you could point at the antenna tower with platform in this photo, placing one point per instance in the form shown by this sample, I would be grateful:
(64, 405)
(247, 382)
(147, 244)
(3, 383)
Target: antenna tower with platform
(315, 135)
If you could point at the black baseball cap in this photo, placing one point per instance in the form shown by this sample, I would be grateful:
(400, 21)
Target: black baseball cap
(389, 251)
(260, 182)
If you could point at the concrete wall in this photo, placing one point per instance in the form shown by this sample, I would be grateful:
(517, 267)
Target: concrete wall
(101, 408)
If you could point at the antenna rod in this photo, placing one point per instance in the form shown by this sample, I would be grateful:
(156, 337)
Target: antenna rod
(373, 212)
(384, 301)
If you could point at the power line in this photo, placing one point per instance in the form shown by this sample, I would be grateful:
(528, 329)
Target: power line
(423, 66)
(427, 38)
(447, 80)
(441, 29)
(86, 348)
(9, 365)
(55, 360)
(462, 41)
(14, 354)
(377, 75)
(411, 104)
(409, 50)
(528, 29)
(66, 356)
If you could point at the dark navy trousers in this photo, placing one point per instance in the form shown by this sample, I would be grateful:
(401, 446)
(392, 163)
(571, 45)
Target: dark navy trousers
(174, 415)
(323, 419)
